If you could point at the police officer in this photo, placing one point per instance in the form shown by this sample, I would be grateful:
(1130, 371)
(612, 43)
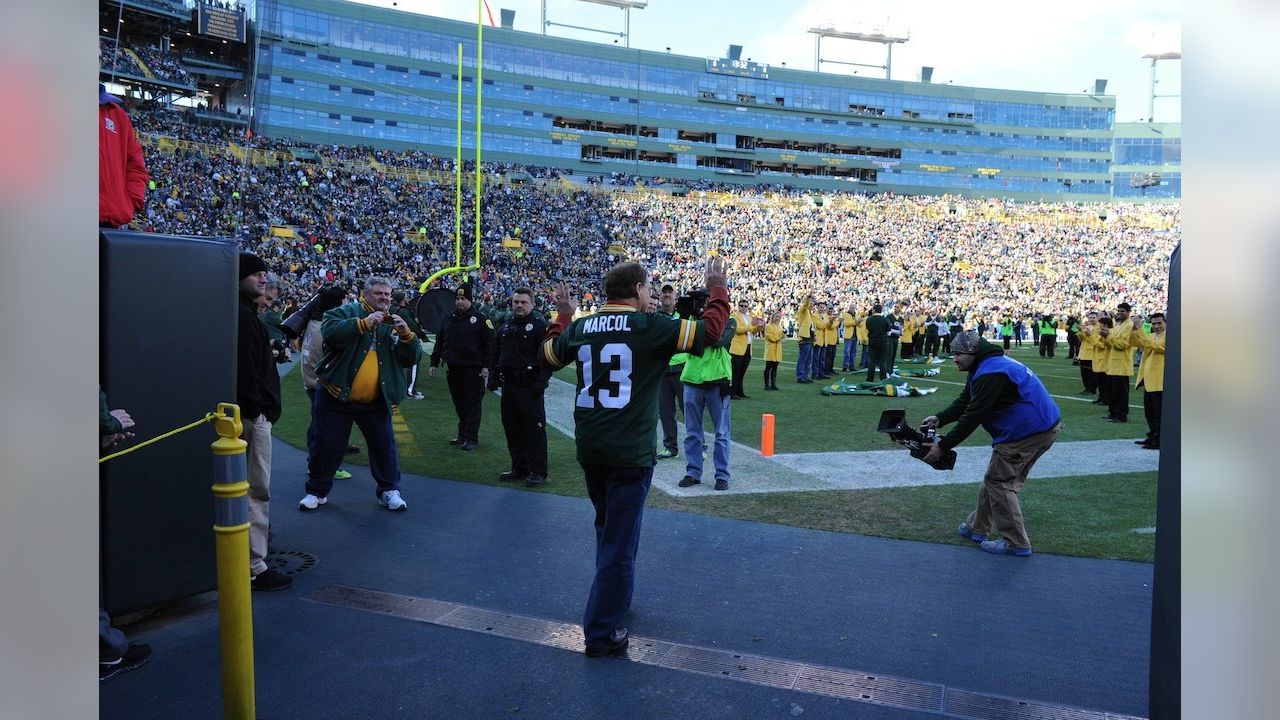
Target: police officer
(400, 306)
(465, 343)
(524, 382)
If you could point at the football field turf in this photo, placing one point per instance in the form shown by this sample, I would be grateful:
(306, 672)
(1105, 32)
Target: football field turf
(1098, 513)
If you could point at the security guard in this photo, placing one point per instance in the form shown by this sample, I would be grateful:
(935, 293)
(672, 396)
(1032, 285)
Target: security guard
(524, 383)
(400, 306)
(465, 343)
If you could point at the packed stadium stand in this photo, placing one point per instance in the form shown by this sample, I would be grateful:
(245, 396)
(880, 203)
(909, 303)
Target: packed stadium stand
(931, 195)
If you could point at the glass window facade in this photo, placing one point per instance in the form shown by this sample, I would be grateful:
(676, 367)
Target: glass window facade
(562, 102)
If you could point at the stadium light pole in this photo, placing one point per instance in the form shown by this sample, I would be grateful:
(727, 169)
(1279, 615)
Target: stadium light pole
(626, 6)
(1151, 97)
(871, 37)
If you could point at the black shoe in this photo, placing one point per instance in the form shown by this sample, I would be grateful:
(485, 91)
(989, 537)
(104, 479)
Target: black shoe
(1098, 402)
(352, 449)
(513, 476)
(1143, 441)
(469, 445)
(456, 441)
(270, 579)
(722, 484)
(743, 396)
(689, 481)
(135, 657)
(1117, 420)
(617, 645)
(535, 480)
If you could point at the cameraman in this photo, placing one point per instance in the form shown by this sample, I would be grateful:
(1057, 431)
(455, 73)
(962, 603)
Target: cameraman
(706, 379)
(1011, 403)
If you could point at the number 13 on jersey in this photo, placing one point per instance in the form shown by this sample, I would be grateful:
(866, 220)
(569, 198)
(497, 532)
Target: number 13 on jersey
(613, 392)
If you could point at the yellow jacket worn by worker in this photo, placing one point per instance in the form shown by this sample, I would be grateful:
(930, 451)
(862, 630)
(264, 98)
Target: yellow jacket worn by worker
(833, 330)
(1088, 343)
(804, 321)
(773, 342)
(741, 335)
(820, 325)
(1151, 371)
(1119, 344)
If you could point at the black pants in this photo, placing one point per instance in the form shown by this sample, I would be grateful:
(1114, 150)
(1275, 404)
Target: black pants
(1073, 346)
(1047, 343)
(1006, 342)
(881, 358)
(1088, 376)
(466, 387)
(770, 373)
(931, 344)
(411, 375)
(739, 363)
(670, 397)
(1151, 407)
(524, 420)
(1118, 396)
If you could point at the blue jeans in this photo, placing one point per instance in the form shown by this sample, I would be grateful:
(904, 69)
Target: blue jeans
(805, 360)
(717, 403)
(618, 494)
(332, 421)
(850, 354)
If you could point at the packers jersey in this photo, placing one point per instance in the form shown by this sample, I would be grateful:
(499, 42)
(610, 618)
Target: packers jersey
(621, 355)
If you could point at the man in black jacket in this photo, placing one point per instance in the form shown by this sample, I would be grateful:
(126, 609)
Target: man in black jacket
(878, 342)
(258, 395)
(524, 383)
(464, 344)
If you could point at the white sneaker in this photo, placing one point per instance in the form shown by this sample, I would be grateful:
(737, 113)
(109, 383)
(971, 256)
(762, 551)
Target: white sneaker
(391, 500)
(311, 502)
(417, 396)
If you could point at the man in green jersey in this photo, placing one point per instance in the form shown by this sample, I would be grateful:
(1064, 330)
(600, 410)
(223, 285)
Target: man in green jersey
(621, 354)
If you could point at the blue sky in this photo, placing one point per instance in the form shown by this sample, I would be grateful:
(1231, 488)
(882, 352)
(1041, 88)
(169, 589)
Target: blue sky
(1011, 44)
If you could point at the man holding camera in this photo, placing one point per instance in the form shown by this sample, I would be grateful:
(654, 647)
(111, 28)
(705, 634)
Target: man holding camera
(1011, 403)
(360, 380)
(621, 354)
(524, 384)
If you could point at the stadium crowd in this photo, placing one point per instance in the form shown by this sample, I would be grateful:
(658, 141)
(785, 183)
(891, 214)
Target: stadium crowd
(985, 259)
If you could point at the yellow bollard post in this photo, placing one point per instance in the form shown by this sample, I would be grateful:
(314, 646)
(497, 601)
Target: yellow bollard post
(231, 542)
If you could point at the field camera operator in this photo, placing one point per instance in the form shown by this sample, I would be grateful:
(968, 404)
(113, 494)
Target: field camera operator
(1011, 403)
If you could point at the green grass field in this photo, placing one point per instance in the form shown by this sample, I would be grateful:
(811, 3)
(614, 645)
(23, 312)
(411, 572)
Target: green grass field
(1089, 516)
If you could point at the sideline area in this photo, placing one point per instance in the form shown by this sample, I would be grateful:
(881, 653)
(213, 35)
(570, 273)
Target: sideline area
(1075, 629)
(792, 472)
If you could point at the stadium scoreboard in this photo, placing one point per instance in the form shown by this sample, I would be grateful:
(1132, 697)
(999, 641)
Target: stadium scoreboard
(220, 22)
(743, 68)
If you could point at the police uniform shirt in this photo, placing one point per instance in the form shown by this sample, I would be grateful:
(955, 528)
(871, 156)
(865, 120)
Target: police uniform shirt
(518, 342)
(465, 340)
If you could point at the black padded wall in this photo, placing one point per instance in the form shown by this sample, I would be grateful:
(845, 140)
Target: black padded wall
(168, 343)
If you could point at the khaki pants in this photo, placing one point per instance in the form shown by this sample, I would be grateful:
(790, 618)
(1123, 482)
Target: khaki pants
(257, 433)
(998, 504)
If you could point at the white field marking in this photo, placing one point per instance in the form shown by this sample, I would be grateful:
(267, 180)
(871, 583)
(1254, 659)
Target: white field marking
(750, 473)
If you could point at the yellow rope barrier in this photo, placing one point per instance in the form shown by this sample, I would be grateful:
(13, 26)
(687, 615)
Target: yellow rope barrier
(208, 417)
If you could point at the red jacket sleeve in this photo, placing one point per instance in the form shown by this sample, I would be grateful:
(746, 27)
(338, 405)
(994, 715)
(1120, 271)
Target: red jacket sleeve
(716, 315)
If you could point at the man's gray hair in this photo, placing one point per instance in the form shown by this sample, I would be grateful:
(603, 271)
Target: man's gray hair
(377, 280)
(966, 342)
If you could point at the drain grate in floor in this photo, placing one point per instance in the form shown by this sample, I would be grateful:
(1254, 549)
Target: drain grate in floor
(871, 688)
(289, 562)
